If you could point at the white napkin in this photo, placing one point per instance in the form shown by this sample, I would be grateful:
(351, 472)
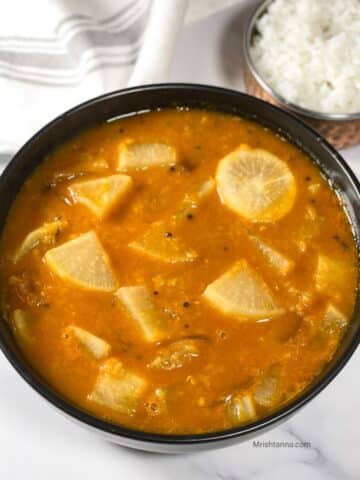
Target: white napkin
(55, 54)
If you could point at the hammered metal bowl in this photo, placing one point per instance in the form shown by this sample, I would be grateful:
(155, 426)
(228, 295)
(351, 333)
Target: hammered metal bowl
(341, 130)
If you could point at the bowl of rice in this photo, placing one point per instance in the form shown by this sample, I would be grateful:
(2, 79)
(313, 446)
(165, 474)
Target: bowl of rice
(304, 56)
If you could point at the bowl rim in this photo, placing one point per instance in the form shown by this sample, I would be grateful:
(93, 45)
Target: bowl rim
(257, 12)
(67, 407)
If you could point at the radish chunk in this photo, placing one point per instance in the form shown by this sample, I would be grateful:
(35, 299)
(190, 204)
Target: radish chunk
(205, 189)
(140, 156)
(117, 388)
(177, 354)
(139, 303)
(241, 293)
(334, 321)
(268, 393)
(20, 321)
(46, 234)
(94, 165)
(277, 260)
(102, 195)
(94, 345)
(193, 199)
(83, 262)
(256, 184)
(330, 275)
(161, 244)
(241, 409)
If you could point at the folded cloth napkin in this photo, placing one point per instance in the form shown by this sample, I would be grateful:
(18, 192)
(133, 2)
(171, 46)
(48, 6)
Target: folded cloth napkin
(55, 54)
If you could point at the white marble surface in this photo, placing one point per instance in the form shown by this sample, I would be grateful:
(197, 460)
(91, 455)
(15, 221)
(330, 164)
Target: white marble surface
(37, 443)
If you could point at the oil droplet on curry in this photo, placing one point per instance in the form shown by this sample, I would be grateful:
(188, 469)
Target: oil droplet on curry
(180, 271)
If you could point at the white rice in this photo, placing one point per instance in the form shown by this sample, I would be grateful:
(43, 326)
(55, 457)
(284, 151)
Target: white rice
(308, 51)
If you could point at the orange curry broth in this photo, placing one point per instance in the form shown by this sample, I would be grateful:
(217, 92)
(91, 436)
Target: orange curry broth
(236, 353)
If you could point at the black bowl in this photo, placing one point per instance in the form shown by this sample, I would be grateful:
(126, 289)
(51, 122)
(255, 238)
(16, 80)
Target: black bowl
(152, 97)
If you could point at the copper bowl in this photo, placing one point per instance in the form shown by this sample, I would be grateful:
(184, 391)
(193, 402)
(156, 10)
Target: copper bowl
(341, 130)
